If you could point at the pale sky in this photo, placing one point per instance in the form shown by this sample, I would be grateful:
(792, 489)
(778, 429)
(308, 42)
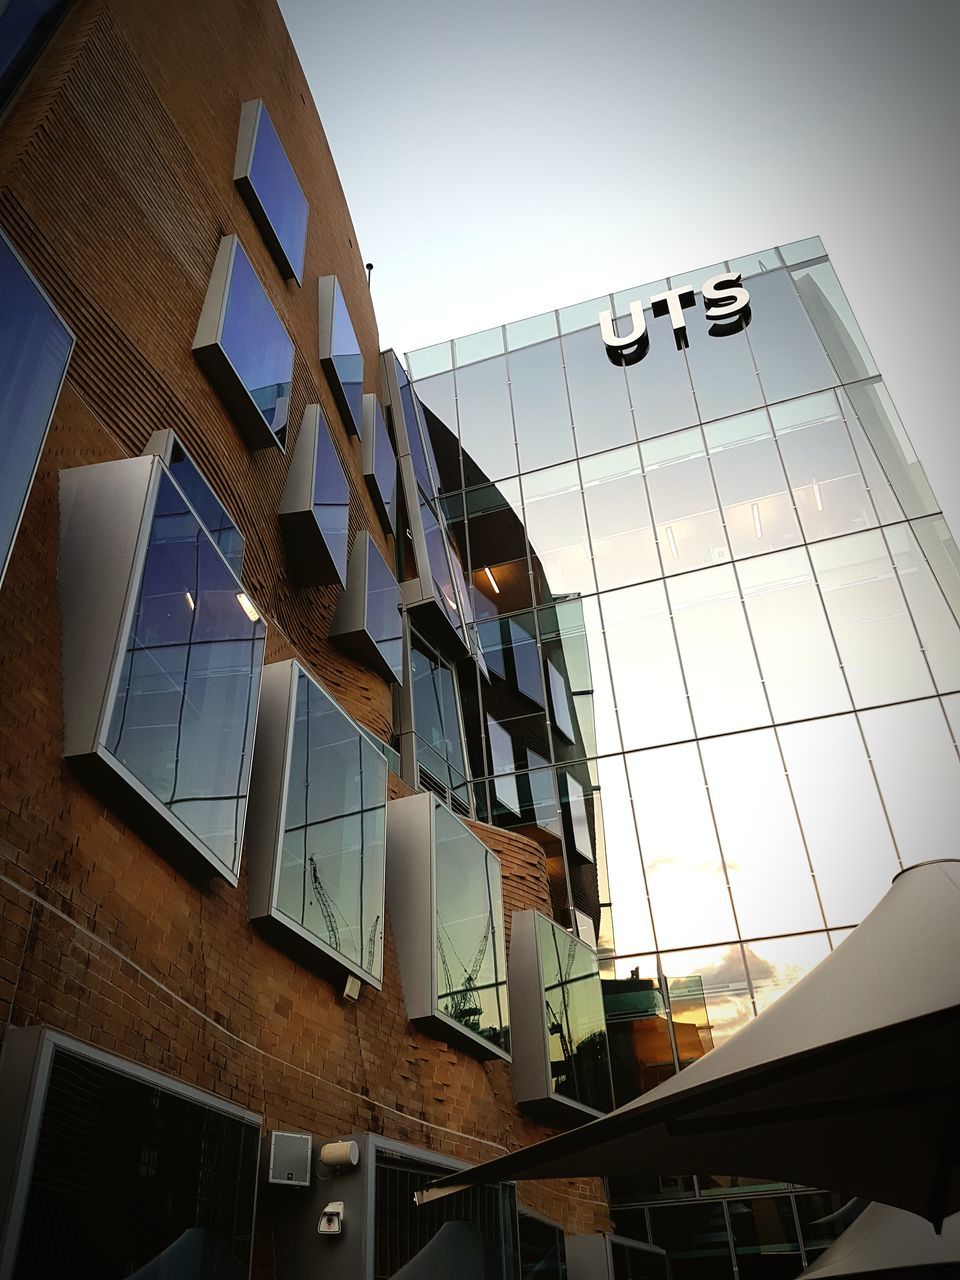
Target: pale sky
(504, 158)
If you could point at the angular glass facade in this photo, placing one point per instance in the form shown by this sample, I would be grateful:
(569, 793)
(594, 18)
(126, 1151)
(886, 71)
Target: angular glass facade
(740, 603)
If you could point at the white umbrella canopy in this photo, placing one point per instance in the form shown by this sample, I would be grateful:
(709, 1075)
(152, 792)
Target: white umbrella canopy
(885, 1242)
(851, 1081)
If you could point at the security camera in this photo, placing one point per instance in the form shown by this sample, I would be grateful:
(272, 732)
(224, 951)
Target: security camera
(331, 1220)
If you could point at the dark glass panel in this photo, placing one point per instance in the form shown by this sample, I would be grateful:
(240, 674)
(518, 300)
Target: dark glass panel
(486, 423)
(25, 27)
(822, 1220)
(383, 477)
(724, 378)
(383, 623)
(637, 1264)
(573, 1003)
(498, 549)
(540, 409)
(695, 1238)
(331, 878)
(435, 709)
(279, 193)
(471, 956)
(557, 532)
(659, 384)
(35, 347)
(128, 1175)
(789, 357)
(346, 357)
(765, 1238)
(542, 1255)
(207, 506)
(598, 394)
(331, 498)
(257, 345)
(182, 720)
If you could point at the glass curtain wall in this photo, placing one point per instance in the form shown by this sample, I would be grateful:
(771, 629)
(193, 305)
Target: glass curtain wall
(743, 600)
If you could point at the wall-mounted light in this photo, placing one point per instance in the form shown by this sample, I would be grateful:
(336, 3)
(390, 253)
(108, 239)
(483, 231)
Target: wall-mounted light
(189, 599)
(491, 579)
(245, 603)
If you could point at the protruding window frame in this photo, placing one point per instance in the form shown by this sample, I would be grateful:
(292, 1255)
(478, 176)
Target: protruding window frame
(311, 560)
(349, 629)
(251, 118)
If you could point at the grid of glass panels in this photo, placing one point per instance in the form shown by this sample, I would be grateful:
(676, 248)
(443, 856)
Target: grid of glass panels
(471, 949)
(437, 724)
(331, 880)
(185, 704)
(743, 602)
(35, 346)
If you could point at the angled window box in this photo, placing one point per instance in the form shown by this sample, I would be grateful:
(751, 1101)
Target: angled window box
(243, 348)
(340, 353)
(315, 508)
(379, 463)
(368, 623)
(35, 349)
(578, 817)
(269, 186)
(561, 1060)
(446, 909)
(213, 514)
(315, 831)
(162, 656)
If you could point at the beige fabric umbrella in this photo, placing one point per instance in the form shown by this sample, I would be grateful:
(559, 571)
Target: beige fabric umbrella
(851, 1081)
(888, 1243)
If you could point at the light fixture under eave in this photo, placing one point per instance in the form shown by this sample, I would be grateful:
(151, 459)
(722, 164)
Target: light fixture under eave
(246, 604)
(757, 526)
(816, 496)
(491, 579)
(672, 542)
(189, 599)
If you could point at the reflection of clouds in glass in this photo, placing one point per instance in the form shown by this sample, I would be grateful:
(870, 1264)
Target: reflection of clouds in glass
(776, 964)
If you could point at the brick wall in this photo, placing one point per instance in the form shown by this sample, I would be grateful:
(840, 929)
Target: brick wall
(116, 165)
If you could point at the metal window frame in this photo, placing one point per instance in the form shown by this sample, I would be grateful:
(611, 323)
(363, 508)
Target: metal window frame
(309, 558)
(18, 257)
(106, 515)
(349, 629)
(162, 443)
(373, 428)
(412, 903)
(328, 288)
(532, 1080)
(590, 1257)
(217, 365)
(251, 114)
(26, 1060)
(263, 838)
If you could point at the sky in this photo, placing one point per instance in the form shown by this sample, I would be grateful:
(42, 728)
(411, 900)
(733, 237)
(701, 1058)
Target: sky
(501, 159)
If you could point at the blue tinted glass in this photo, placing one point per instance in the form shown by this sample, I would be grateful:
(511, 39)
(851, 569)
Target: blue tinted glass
(383, 610)
(183, 717)
(34, 349)
(279, 194)
(346, 357)
(421, 449)
(383, 477)
(332, 864)
(331, 498)
(788, 353)
(25, 26)
(208, 507)
(257, 345)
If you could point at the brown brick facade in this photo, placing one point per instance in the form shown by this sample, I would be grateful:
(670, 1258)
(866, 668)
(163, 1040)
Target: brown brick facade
(116, 166)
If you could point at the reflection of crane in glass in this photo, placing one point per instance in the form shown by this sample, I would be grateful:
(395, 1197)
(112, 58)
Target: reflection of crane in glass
(328, 907)
(557, 1026)
(372, 944)
(465, 1006)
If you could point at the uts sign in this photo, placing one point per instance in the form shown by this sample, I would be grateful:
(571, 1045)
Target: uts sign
(727, 305)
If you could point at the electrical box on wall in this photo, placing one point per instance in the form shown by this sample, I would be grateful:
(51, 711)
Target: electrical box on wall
(290, 1159)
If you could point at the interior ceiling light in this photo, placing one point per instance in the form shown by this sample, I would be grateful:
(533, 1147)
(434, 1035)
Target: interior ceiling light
(189, 599)
(816, 496)
(491, 579)
(672, 542)
(245, 603)
(757, 526)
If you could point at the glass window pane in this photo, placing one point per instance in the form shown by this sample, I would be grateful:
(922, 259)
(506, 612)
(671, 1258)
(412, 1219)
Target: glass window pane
(35, 347)
(757, 505)
(430, 360)
(207, 506)
(486, 423)
(678, 842)
(827, 307)
(557, 530)
(848, 839)
(695, 1237)
(689, 528)
(498, 549)
(719, 665)
(820, 1220)
(471, 969)
(773, 889)
(347, 360)
(571, 636)
(650, 696)
(824, 474)
(598, 393)
(582, 314)
(872, 405)
(932, 616)
(919, 776)
(659, 385)
(884, 500)
(382, 613)
(630, 909)
(438, 394)
(277, 196)
(796, 650)
(776, 964)
(878, 644)
(765, 1238)
(725, 381)
(803, 250)
(752, 264)
(708, 993)
(789, 357)
(190, 680)
(478, 346)
(624, 548)
(941, 551)
(696, 278)
(523, 333)
(540, 409)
